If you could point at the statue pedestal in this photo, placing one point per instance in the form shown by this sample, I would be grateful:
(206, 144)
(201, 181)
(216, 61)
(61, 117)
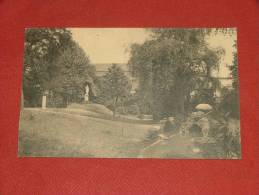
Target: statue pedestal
(86, 93)
(44, 101)
(86, 98)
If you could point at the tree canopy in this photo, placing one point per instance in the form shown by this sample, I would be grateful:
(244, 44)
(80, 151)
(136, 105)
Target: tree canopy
(170, 66)
(115, 86)
(230, 103)
(53, 62)
(74, 72)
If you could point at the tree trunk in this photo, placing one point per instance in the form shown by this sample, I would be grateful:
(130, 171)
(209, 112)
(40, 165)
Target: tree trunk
(114, 106)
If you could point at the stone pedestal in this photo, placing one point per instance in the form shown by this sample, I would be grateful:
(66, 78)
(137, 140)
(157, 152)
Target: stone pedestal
(44, 102)
(86, 98)
(44, 99)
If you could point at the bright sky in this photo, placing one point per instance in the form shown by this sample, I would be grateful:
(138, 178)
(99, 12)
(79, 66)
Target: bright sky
(109, 45)
(226, 42)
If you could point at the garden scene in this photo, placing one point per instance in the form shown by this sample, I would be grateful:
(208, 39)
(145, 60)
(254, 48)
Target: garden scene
(130, 93)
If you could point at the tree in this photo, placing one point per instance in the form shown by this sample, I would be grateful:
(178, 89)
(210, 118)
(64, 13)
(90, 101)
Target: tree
(42, 46)
(169, 67)
(230, 100)
(115, 86)
(234, 69)
(53, 62)
(74, 71)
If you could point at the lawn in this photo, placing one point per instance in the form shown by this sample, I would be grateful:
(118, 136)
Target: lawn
(58, 134)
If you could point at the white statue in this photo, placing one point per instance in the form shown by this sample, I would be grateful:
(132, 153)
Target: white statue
(87, 93)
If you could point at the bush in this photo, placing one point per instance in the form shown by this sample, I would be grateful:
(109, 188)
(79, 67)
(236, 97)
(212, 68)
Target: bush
(141, 116)
(195, 131)
(230, 103)
(226, 134)
(132, 109)
(169, 126)
(56, 101)
(120, 110)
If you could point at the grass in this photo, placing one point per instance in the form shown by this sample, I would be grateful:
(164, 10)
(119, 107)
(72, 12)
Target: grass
(74, 133)
(100, 111)
(176, 147)
(96, 108)
(66, 135)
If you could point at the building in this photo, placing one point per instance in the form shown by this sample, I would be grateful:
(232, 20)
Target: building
(224, 79)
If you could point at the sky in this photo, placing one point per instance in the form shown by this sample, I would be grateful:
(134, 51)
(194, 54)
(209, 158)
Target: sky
(226, 42)
(110, 45)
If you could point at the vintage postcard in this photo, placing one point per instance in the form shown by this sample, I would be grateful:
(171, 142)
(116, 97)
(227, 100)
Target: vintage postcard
(130, 93)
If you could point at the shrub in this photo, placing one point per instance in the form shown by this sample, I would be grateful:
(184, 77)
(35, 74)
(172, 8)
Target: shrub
(169, 126)
(132, 109)
(230, 103)
(195, 131)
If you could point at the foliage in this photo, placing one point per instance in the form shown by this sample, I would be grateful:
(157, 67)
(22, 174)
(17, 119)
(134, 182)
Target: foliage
(230, 100)
(170, 66)
(74, 71)
(131, 109)
(114, 87)
(53, 62)
(234, 69)
(42, 46)
(170, 126)
(229, 104)
(227, 141)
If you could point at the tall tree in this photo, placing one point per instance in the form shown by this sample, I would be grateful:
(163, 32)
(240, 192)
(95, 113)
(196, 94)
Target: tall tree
(42, 46)
(230, 101)
(74, 71)
(53, 62)
(115, 86)
(234, 68)
(169, 65)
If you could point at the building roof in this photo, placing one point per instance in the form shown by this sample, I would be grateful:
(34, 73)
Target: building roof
(102, 68)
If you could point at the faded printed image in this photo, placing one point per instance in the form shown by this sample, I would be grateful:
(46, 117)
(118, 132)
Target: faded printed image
(130, 93)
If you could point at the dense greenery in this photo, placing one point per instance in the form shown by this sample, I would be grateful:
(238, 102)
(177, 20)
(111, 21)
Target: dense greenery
(114, 88)
(174, 63)
(230, 100)
(74, 71)
(54, 63)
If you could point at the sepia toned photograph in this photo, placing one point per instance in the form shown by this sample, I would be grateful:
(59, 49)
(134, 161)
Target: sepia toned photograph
(166, 93)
